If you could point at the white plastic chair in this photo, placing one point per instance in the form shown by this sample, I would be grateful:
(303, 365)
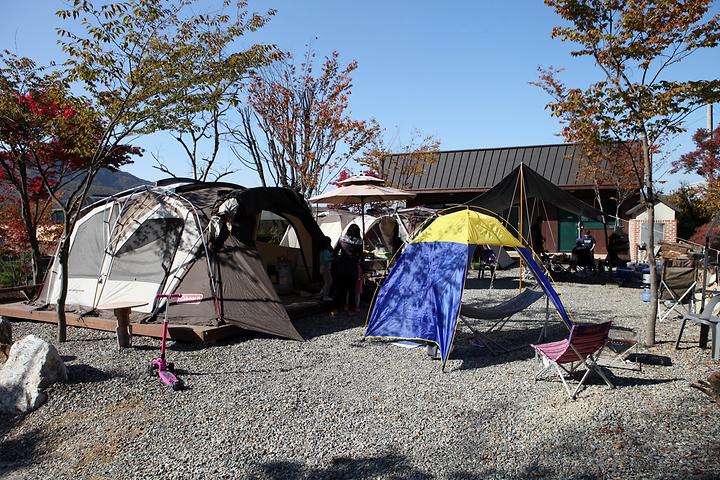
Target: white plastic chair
(705, 318)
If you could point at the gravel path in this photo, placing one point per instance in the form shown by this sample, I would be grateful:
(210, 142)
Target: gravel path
(339, 407)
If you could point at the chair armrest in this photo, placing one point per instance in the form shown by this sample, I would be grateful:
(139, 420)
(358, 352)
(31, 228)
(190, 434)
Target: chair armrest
(700, 320)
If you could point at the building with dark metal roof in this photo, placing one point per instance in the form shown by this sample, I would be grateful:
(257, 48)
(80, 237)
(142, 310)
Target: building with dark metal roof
(477, 170)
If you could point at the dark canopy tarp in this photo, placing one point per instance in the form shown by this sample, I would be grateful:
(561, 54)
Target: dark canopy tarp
(507, 192)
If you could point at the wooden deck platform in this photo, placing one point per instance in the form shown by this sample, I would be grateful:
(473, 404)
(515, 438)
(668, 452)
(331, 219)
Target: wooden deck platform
(296, 306)
(183, 333)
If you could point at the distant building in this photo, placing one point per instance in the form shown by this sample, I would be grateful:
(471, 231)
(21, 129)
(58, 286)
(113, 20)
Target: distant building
(665, 226)
(457, 176)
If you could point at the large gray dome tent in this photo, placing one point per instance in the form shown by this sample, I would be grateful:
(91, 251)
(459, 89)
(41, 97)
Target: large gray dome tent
(183, 236)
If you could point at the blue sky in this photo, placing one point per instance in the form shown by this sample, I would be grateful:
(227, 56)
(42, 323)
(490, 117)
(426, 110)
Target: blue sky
(458, 70)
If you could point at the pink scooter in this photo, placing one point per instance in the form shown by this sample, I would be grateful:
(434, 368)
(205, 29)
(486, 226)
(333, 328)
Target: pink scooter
(166, 370)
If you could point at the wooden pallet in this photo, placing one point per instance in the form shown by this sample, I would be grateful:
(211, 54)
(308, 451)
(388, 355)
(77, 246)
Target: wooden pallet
(184, 333)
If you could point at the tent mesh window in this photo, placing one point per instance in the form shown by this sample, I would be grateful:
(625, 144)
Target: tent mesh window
(148, 254)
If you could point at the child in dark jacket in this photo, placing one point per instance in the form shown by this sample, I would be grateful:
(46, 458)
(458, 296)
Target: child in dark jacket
(326, 259)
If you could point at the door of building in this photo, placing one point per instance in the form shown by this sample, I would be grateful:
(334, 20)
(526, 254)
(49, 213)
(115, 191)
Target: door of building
(567, 230)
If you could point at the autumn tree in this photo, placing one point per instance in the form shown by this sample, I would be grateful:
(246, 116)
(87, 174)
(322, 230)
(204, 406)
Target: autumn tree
(696, 209)
(46, 134)
(634, 44)
(606, 161)
(296, 130)
(704, 161)
(408, 161)
(699, 202)
(200, 121)
(138, 61)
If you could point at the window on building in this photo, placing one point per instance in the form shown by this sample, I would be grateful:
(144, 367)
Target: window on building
(659, 232)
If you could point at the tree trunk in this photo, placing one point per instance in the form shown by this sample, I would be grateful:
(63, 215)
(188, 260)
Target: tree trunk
(36, 257)
(596, 187)
(650, 205)
(63, 255)
(30, 229)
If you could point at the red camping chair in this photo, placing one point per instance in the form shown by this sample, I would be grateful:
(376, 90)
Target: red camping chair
(583, 346)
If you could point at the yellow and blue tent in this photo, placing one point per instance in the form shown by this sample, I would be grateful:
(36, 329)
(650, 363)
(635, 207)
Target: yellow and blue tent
(421, 297)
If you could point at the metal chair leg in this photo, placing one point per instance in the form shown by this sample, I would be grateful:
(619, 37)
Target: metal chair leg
(682, 328)
(562, 378)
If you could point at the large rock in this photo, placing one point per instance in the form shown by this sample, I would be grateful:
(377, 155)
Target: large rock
(5, 339)
(33, 365)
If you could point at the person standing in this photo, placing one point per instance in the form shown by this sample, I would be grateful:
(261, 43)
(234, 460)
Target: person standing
(326, 259)
(347, 264)
(589, 241)
(618, 248)
(536, 236)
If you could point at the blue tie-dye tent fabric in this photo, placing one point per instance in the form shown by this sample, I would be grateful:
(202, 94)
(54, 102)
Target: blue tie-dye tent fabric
(420, 298)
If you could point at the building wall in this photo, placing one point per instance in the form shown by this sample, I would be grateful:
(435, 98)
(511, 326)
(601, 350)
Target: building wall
(664, 215)
(669, 234)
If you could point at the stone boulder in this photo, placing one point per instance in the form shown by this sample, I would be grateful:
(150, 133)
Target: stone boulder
(33, 365)
(5, 339)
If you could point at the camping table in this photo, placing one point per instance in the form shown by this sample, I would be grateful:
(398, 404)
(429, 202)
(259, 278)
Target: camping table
(122, 314)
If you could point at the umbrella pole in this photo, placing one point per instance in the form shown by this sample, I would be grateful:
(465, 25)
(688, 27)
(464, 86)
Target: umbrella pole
(362, 217)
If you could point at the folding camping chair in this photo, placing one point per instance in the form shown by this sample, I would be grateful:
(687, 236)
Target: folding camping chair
(705, 318)
(676, 290)
(488, 260)
(621, 344)
(501, 313)
(582, 346)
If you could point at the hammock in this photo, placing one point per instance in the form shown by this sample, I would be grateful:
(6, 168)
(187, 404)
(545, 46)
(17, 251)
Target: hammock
(502, 312)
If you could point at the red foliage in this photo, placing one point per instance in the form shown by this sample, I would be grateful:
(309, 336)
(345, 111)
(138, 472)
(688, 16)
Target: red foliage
(705, 159)
(47, 136)
(49, 132)
(346, 173)
(699, 236)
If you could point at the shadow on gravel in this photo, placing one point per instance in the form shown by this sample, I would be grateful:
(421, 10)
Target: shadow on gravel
(498, 284)
(20, 450)
(7, 423)
(239, 371)
(625, 380)
(92, 338)
(615, 449)
(474, 354)
(177, 346)
(83, 373)
(385, 466)
(597, 278)
(317, 326)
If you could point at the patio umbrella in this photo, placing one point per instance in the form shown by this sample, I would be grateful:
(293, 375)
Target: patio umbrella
(361, 189)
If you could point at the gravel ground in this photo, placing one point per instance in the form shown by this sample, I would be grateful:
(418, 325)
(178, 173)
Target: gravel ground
(340, 407)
